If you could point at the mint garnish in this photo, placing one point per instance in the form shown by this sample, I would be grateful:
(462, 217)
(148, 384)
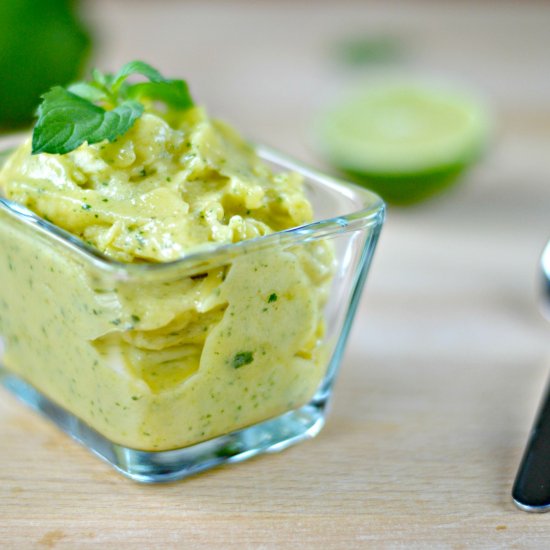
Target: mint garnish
(102, 109)
(66, 121)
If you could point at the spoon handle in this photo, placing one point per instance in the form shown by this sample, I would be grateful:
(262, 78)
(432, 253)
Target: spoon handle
(545, 286)
(531, 491)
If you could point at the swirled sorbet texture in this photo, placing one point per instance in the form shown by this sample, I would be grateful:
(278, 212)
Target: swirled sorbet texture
(158, 192)
(165, 359)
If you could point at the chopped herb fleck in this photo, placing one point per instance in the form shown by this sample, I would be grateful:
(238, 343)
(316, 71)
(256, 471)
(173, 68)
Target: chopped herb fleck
(272, 298)
(242, 358)
(136, 318)
(86, 206)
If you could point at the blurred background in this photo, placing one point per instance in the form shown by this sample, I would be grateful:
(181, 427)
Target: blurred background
(273, 68)
(448, 346)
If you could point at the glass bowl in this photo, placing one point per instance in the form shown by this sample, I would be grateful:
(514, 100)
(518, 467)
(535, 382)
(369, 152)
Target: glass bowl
(165, 370)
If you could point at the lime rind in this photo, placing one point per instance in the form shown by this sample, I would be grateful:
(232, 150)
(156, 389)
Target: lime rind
(404, 189)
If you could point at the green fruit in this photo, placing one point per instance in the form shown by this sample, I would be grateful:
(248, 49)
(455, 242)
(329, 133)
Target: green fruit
(41, 44)
(406, 141)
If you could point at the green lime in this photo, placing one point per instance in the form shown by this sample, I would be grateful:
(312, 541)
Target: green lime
(404, 140)
(42, 43)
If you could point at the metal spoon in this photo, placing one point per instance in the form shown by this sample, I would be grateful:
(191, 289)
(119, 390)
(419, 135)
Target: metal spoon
(531, 491)
(545, 268)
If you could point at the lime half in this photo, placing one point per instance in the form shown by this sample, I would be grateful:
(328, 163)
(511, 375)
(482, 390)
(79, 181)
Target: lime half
(405, 141)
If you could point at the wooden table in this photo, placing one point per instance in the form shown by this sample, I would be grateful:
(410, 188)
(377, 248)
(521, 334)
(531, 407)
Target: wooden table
(448, 355)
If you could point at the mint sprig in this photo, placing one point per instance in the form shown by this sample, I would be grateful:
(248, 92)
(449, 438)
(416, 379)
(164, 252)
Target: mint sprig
(66, 121)
(102, 109)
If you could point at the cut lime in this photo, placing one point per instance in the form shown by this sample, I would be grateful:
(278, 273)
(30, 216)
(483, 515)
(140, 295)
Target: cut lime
(405, 141)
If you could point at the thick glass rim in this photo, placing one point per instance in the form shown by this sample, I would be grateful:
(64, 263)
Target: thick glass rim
(372, 214)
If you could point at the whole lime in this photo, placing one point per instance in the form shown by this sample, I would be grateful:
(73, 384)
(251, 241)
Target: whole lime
(42, 43)
(405, 141)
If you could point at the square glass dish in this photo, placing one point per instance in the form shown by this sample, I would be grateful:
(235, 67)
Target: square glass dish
(168, 369)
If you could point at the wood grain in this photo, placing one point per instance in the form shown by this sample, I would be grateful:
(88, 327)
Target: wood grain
(448, 355)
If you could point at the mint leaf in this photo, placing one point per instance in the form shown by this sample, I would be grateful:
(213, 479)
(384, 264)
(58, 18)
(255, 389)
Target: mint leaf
(174, 93)
(87, 91)
(66, 121)
(117, 121)
(136, 67)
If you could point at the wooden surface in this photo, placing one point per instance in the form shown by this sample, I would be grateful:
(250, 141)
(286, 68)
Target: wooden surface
(448, 354)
